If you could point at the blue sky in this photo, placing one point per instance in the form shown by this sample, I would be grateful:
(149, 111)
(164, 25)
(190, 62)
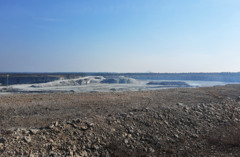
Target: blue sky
(119, 35)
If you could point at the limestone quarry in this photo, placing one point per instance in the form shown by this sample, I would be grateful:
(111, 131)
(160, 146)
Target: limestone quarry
(95, 84)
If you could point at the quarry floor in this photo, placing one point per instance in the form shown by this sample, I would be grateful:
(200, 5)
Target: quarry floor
(37, 110)
(171, 122)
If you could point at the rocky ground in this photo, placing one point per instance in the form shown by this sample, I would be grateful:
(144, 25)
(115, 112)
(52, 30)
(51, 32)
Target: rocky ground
(172, 122)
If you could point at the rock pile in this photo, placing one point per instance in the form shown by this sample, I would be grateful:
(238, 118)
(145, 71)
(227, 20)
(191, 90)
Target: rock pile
(120, 80)
(169, 83)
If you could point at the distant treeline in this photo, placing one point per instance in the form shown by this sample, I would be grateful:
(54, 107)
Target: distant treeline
(24, 78)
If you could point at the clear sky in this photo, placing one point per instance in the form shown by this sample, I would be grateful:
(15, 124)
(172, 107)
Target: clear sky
(119, 35)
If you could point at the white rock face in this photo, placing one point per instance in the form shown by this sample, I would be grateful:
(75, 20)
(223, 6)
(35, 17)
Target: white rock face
(86, 81)
(71, 82)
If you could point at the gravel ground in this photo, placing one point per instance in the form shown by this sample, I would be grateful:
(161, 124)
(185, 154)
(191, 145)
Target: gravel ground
(171, 122)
